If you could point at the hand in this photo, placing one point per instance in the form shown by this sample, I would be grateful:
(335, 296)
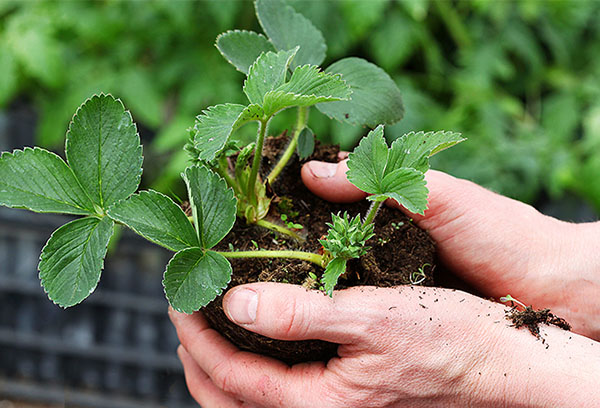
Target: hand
(400, 347)
(498, 245)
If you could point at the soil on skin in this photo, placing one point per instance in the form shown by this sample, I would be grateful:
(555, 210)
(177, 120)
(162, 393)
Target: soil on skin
(532, 319)
(400, 252)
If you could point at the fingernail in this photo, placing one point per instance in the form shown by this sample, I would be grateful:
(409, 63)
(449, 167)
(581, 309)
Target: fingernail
(322, 169)
(241, 305)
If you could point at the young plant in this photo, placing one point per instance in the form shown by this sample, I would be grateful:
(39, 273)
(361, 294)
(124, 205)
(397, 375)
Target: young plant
(509, 298)
(282, 71)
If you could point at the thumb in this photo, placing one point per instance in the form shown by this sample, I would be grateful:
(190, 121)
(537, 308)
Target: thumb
(328, 181)
(290, 312)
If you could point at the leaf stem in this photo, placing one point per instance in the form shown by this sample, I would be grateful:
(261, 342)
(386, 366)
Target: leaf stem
(260, 139)
(278, 228)
(304, 256)
(372, 212)
(301, 122)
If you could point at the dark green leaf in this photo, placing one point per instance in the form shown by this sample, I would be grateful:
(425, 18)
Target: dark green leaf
(407, 187)
(241, 48)
(104, 151)
(213, 204)
(157, 218)
(375, 97)
(306, 143)
(287, 29)
(194, 277)
(73, 258)
(41, 181)
(414, 149)
(334, 269)
(267, 73)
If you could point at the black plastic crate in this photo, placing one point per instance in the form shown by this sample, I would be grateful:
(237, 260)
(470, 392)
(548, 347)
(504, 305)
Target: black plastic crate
(116, 349)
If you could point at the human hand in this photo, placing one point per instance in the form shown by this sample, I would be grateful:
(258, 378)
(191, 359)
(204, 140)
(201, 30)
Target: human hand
(400, 347)
(498, 245)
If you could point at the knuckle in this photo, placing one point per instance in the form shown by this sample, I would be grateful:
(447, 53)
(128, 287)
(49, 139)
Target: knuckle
(297, 317)
(222, 375)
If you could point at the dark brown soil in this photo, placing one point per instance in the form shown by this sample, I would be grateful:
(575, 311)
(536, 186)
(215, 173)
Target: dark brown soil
(532, 319)
(401, 253)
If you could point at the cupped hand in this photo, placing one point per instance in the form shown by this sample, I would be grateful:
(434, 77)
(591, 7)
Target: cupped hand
(400, 347)
(498, 245)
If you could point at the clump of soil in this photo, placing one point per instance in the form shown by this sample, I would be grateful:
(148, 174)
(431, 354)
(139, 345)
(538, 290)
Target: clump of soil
(532, 319)
(401, 253)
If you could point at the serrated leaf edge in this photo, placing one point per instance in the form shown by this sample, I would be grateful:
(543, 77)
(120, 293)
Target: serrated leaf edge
(239, 31)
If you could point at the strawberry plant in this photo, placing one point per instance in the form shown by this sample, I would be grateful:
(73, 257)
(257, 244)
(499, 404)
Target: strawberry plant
(103, 167)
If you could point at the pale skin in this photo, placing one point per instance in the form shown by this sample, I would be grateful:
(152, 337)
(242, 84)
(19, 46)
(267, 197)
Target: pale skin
(415, 346)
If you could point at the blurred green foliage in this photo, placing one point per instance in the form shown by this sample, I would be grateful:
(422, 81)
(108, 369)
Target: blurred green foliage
(520, 79)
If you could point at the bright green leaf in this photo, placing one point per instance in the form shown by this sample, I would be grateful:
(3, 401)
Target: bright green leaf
(216, 124)
(375, 97)
(267, 73)
(307, 86)
(157, 218)
(73, 258)
(407, 187)
(213, 204)
(241, 48)
(334, 269)
(306, 143)
(414, 149)
(194, 277)
(103, 149)
(367, 163)
(287, 29)
(41, 181)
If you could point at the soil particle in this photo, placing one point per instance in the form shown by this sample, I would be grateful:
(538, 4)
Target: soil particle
(532, 319)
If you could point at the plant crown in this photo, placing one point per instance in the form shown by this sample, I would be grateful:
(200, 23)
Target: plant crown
(103, 167)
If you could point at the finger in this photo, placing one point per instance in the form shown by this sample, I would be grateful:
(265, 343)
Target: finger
(201, 387)
(290, 312)
(342, 155)
(249, 377)
(328, 181)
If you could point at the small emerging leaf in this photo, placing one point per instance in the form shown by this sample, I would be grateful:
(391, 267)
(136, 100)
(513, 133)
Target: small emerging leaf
(376, 98)
(73, 258)
(213, 204)
(194, 277)
(287, 29)
(241, 48)
(103, 149)
(307, 86)
(268, 72)
(157, 218)
(41, 181)
(306, 143)
(334, 269)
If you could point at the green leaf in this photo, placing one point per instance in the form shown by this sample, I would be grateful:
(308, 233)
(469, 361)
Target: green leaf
(213, 204)
(307, 86)
(104, 151)
(41, 181)
(194, 278)
(241, 48)
(375, 97)
(334, 269)
(306, 143)
(267, 73)
(8, 74)
(367, 163)
(407, 187)
(414, 149)
(216, 124)
(287, 29)
(73, 258)
(157, 218)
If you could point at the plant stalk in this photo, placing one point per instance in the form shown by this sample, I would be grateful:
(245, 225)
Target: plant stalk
(304, 256)
(278, 228)
(301, 121)
(262, 130)
(372, 212)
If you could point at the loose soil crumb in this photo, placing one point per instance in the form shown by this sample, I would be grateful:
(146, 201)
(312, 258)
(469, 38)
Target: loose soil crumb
(533, 318)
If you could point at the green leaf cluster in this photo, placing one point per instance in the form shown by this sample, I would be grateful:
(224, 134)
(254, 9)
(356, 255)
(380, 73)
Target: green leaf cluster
(398, 171)
(347, 236)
